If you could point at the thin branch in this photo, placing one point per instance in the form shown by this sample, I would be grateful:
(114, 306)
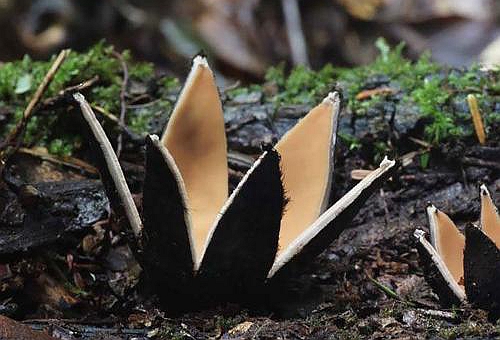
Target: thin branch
(123, 105)
(68, 91)
(67, 161)
(480, 162)
(388, 291)
(123, 128)
(30, 109)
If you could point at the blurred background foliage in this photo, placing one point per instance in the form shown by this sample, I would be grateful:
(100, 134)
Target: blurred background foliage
(245, 37)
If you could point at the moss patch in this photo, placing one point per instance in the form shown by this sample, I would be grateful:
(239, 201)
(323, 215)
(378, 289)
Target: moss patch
(438, 93)
(20, 79)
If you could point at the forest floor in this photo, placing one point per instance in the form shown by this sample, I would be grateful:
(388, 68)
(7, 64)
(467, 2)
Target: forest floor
(65, 268)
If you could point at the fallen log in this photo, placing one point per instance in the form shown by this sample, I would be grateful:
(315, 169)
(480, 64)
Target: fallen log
(32, 215)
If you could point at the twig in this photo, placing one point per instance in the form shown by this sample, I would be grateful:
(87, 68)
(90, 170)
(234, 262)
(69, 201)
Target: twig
(70, 162)
(481, 162)
(69, 90)
(30, 109)
(420, 142)
(388, 291)
(232, 86)
(477, 120)
(240, 160)
(359, 174)
(386, 208)
(123, 105)
(439, 314)
(295, 34)
(108, 115)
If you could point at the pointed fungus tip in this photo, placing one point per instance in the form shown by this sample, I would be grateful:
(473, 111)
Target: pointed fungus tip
(386, 162)
(419, 234)
(431, 209)
(332, 98)
(484, 190)
(200, 60)
(154, 137)
(78, 97)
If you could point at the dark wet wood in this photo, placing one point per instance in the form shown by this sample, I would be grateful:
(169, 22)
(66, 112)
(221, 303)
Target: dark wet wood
(37, 214)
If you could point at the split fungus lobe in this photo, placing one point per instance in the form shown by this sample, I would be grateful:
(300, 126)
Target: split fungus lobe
(464, 265)
(195, 235)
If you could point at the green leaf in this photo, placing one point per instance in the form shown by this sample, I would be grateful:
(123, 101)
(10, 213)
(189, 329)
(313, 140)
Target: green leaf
(383, 47)
(424, 160)
(23, 84)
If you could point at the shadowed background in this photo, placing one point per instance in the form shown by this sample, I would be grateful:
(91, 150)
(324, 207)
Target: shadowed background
(245, 37)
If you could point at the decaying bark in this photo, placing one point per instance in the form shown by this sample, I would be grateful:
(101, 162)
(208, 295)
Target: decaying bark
(40, 213)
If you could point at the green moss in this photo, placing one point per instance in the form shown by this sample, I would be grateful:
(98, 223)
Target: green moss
(138, 120)
(351, 141)
(63, 146)
(169, 83)
(429, 87)
(430, 98)
(361, 107)
(302, 86)
(173, 332)
(467, 80)
(20, 79)
(243, 90)
(421, 84)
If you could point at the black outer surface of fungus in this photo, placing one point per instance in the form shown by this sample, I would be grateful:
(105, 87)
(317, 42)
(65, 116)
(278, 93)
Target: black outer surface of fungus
(434, 278)
(482, 270)
(332, 231)
(244, 244)
(240, 252)
(167, 254)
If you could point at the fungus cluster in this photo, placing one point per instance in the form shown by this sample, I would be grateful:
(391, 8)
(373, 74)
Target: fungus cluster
(462, 267)
(201, 243)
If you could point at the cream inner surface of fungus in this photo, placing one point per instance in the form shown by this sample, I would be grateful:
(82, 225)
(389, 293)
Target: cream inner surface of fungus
(195, 137)
(490, 221)
(449, 243)
(306, 164)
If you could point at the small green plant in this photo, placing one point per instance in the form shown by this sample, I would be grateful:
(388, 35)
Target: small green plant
(351, 141)
(302, 86)
(424, 84)
(430, 98)
(427, 86)
(20, 79)
(424, 160)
